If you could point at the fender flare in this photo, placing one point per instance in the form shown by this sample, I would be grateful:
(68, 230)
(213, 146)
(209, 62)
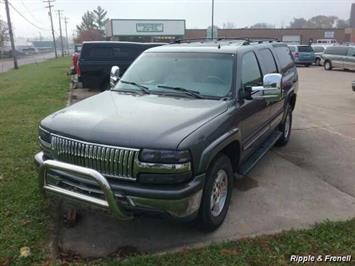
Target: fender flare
(217, 146)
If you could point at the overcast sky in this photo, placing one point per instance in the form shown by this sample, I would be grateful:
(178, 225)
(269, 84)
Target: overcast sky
(196, 12)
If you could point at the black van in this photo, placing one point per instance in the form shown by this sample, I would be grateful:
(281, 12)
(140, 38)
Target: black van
(97, 58)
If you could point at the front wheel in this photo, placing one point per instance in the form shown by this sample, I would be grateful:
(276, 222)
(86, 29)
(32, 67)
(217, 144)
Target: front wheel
(217, 194)
(285, 128)
(327, 65)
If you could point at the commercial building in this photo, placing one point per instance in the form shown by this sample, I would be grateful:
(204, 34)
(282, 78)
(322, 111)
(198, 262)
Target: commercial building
(145, 30)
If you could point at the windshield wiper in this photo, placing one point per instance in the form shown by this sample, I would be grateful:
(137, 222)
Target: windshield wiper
(193, 93)
(143, 88)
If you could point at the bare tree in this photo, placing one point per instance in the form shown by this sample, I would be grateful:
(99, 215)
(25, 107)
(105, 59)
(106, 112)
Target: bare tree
(4, 33)
(262, 25)
(228, 25)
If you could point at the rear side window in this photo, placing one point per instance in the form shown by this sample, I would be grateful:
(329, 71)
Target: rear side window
(292, 48)
(318, 49)
(351, 51)
(267, 60)
(305, 49)
(285, 57)
(97, 52)
(336, 50)
(126, 52)
(251, 75)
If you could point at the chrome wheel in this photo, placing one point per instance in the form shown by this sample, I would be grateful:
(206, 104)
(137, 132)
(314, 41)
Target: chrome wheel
(287, 126)
(219, 193)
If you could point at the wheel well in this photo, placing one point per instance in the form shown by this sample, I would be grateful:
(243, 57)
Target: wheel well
(232, 151)
(293, 101)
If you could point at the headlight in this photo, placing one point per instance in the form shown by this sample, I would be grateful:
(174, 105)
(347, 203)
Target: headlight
(164, 156)
(44, 135)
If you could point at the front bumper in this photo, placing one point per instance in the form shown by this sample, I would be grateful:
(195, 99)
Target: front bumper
(88, 186)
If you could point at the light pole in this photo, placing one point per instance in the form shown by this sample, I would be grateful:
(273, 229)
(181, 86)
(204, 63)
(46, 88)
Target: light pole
(212, 19)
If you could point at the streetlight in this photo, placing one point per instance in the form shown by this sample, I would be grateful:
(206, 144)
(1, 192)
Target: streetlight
(212, 19)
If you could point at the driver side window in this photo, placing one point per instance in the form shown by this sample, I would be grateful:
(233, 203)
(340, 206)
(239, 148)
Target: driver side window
(251, 75)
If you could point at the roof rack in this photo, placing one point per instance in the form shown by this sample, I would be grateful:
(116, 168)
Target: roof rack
(247, 40)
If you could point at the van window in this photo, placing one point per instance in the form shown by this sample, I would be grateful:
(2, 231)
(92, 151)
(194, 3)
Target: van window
(318, 49)
(351, 51)
(100, 52)
(285, 57)
(267, 60)
(251, 75)
(305, 49)
(337, 50)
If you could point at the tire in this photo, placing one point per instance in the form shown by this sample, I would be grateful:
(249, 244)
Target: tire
(317, 62)
(307, 65)
(328, 65)
(285, 128)
(220, 172)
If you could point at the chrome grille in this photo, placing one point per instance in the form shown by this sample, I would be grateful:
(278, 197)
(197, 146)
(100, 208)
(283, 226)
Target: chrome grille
(111, 161)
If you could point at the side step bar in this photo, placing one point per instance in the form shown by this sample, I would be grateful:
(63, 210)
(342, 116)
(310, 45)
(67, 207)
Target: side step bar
(259, 153)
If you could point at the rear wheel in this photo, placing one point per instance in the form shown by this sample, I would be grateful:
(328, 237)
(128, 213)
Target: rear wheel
(217, 194)
(285, 128)
(328, 65)
(317, 62)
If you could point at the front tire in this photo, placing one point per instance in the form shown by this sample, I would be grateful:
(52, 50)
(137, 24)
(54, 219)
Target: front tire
(217, 194)
(328, 65)
(285, 128)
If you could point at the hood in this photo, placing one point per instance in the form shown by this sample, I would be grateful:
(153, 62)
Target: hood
(134, 121)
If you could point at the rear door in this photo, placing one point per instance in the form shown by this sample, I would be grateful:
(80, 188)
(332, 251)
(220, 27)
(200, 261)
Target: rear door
(254, 111)
(349, 60)
(268, 66)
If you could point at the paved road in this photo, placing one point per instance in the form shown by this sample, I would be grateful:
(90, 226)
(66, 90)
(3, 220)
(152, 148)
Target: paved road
(6, 65)
(308, 181)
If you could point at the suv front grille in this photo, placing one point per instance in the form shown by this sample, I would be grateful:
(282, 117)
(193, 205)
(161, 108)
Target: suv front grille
(111, 161)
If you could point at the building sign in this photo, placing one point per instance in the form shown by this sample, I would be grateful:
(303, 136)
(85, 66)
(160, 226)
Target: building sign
(329, 34)
(145, 27)
(150, 27)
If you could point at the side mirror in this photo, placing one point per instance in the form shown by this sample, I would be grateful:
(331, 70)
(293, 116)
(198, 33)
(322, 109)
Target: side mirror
(114, 76)
(271, 89)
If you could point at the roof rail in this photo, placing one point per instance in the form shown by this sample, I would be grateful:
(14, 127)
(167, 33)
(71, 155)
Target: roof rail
(247, 40)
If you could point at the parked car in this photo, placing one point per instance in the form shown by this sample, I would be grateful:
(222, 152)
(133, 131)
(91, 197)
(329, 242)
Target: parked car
(318, 52)
(339, 57)
(180, 124)
(97, 58)
(303, 54)
(326, 41)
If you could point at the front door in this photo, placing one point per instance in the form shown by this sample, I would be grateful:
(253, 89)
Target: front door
(254, 113)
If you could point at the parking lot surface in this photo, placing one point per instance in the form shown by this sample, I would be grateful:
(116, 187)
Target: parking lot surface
(308, 181)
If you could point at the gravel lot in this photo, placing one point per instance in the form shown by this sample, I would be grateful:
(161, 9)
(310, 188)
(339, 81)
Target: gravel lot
(308, 181)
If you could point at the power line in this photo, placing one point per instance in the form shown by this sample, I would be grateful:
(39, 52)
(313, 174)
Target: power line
(19, 13)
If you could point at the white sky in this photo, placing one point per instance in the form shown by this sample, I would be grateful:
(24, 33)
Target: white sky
(196, 12)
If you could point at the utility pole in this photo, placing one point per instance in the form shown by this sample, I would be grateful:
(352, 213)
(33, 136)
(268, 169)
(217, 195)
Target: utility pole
(212, 19)
(66, 32)
(60, 31)
(50, 15)
(13, 50)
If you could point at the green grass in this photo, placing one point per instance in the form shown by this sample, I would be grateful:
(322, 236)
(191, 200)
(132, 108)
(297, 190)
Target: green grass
(34, 91)
(26, 96)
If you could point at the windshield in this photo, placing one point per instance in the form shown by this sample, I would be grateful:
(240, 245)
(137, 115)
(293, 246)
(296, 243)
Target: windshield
(209, 75)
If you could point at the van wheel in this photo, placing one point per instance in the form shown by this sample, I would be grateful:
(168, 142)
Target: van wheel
(285, 128)
(217, 194)
(317, 62)
(328, 65)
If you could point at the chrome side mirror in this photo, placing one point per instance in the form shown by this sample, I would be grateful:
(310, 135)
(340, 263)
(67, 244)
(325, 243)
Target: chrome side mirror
(271, 89)
(114, 76)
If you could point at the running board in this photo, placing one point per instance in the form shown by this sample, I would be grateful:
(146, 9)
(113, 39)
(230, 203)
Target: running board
(259, 153)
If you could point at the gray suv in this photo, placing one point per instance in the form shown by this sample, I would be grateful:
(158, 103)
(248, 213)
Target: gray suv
(339, 57)
(174, 132)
